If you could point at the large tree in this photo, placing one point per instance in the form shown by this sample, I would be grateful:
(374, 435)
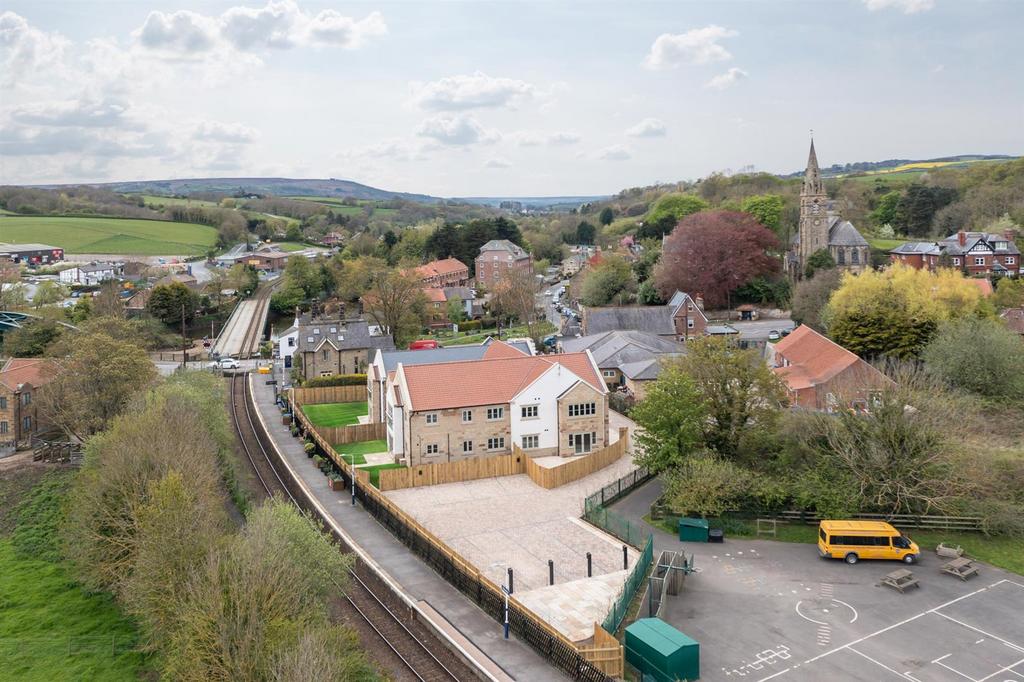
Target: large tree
(169, 302)
(396, 302)
(810, 297)
(714, 252)
(670, 418)
(610, 281)
(766, 209)
(514, 296)
(31, 339)
(980, 356)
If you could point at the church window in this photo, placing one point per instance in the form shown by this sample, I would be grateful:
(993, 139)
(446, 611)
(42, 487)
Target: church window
(855, 256)
(841, 257)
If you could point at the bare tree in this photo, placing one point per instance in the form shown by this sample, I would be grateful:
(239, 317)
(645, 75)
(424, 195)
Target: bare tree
(514, 296)
(396, 302)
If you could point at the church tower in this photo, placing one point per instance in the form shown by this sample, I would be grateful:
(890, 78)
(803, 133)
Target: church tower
(813, 211)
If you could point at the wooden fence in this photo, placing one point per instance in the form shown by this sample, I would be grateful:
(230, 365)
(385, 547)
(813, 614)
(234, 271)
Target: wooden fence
(553, 477)
(353, 433)
(453, 472)
(606, 654)
(329, 394)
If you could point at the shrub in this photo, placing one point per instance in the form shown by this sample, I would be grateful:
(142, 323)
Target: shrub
(310, 448)
(336, 380)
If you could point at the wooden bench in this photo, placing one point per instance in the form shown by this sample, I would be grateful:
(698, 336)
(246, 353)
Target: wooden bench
(961, 567)
(900, 580)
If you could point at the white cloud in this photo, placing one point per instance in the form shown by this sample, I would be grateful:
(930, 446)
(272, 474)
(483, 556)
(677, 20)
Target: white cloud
(726, 80)
(498, 163)
(649, 127)
(456, 130)
(616, 152)
(395, 148)
(475, 91)
(531, 138)
(233, 133)
(25, 50)
(696, 46)
(281, 25)
(74, 113)
(907, 6)
(565, 137)
(938, 68)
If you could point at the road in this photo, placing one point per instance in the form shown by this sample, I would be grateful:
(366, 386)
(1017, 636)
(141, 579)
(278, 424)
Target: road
(758, 330)
(551, 314)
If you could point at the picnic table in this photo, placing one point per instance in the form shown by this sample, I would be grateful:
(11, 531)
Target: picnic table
(901, 579)
(961, 567)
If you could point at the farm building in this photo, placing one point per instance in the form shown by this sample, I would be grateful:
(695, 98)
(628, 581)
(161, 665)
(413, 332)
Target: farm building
(32, 254)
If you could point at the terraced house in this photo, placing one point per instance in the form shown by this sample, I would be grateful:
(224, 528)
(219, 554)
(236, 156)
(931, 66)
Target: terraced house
(449, 411)
(327, 347)
(976, 253)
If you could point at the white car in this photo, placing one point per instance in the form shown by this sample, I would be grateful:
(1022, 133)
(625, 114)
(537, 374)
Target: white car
(225, 363)
(774, 335)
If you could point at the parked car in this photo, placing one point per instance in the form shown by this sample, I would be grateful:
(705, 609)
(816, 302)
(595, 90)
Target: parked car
(774, 335)
(225, 363)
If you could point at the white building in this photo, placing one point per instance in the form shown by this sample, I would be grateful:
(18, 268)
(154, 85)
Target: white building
(287, 343)
(91, 274)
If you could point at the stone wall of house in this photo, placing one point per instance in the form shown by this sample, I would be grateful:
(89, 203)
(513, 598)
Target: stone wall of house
(450, 432)
(337, 362)
(596, 424)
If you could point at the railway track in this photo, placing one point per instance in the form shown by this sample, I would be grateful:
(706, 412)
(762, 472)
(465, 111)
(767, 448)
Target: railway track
(409, 651)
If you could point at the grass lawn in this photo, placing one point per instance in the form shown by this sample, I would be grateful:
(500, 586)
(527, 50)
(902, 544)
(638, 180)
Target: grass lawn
(291, 246)
(356, 451)
(1003, 552)
(111, 235)
(884, 244)
(478, 336)
(335, 414)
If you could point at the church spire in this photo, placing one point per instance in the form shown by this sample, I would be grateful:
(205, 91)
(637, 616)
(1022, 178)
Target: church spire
(812, 176)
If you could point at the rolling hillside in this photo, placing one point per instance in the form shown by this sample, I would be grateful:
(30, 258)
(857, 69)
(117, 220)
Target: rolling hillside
(122, 236)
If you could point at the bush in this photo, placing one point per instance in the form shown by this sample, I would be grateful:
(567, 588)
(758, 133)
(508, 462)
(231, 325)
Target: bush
(310, 448)
(336, 380)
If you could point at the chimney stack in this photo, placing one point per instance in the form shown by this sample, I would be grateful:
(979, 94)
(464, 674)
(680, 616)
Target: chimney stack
(961, 238)
(698, 300)
(1010, 234)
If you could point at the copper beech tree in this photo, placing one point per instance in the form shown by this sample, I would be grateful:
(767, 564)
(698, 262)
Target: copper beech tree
(714, 252)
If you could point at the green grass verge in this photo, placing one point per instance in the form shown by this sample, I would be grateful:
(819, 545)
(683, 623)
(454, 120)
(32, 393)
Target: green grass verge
(111, 235)
(1002, 552)
(335, 414)
(356, 451)
(463, 339)
(376, 469)
(885, 244)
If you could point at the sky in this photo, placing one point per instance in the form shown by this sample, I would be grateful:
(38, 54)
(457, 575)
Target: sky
(499, 98)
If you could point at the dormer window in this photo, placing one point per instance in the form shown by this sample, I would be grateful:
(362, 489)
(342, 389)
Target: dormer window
(334, 330)
(316, 330)
(341, 337)
(999, 246)
(309, 339)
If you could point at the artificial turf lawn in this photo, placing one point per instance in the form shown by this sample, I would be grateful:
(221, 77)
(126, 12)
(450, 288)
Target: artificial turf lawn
(1000, 551)
(335, 414)
(350, 451)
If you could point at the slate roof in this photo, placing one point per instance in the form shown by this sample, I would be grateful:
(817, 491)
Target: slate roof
(643, 370)
(843, 233)
(951, 244)
(347, 335)
(918, 248)
(504, 245)
(450, 385)
(618, 348)
(650, 319)
(431, 356)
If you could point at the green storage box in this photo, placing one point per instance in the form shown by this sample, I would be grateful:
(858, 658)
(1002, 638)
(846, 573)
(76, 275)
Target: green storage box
(693, 530)
(661, 652)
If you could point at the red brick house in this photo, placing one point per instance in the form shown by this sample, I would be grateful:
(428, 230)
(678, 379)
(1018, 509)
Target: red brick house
(822, 375)
(449, 272)
(977, 253)
(499, 256)
(21, 379)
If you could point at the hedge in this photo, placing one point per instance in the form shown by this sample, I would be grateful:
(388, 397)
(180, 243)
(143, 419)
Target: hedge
(336, 380)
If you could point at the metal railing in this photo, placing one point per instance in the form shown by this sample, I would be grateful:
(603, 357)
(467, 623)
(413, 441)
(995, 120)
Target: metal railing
(636, 578)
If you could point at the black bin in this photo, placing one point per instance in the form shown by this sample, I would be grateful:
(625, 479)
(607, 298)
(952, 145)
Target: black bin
(716, 535)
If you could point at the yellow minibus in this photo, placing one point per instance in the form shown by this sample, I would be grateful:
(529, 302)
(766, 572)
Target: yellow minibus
(856, 540)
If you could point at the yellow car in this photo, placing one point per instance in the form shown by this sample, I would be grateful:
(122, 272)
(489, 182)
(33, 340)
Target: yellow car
(263, 369)
(856, 540)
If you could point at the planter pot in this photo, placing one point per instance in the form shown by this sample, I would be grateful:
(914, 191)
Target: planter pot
(338, 484)
(286, 419)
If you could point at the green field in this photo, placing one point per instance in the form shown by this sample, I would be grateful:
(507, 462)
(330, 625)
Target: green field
(884, 244)
(357, 451)
(154, 200)
(335, 414)
(1001, 551)
(122, 236)
(291, 246)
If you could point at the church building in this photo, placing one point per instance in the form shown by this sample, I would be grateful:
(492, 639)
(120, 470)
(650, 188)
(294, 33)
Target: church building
(821, 227)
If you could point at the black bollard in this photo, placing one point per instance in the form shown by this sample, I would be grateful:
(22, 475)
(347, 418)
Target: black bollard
(590, 566)
(510, 581)
(551, 572)
(625, 557)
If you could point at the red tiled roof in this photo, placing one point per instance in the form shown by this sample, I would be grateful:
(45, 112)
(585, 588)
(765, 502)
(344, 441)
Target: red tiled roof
(435, 295)
(813, 358)
(983, 285)
(500, 349)
(35, 371)
(488, 381)
(447, 266)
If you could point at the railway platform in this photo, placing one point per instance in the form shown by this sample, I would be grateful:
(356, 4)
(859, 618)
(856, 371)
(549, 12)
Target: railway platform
(479, 637)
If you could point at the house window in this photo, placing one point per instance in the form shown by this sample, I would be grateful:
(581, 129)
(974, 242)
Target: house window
(309, 339)
(529, 411)
(334, 330)
(26, 398)
(467, 416)
(609, 373)
(979, 260)
(494, 413)
(582, 409)
(291, 341)
(431, 418)
(3, 427)
(531, 442)
(956, 261)
(841, 257)
(324, 353)
(432, 449)
(689, 323)
(26, 424)
(496, 443)
(467, 446)
(3, 403)
(580, 443)
(855, 256)
(1009, 260)
(316, 331)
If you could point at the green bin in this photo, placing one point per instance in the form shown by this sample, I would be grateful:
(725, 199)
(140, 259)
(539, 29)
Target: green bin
(693, 530)
(661, 652)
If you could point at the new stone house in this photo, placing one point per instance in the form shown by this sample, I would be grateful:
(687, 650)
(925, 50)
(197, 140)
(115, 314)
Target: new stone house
(450, 411)
(334, 346)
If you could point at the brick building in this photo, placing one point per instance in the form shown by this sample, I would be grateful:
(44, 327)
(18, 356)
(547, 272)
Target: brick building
(977, 253)
(448, 272)
(21, 380)
(822, 375)
(546, 405)
(499, 256)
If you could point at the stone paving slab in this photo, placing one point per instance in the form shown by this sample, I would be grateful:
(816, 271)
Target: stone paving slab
(575, 606)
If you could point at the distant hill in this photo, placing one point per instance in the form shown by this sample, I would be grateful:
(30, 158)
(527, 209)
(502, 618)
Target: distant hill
(535, 202)
(902, 165)
(277, 186)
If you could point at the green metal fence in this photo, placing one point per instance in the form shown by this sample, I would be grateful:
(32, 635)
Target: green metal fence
(633, 583)
(632, 533)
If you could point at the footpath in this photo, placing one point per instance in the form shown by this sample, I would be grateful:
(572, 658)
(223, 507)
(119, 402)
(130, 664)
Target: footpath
(479, 638)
